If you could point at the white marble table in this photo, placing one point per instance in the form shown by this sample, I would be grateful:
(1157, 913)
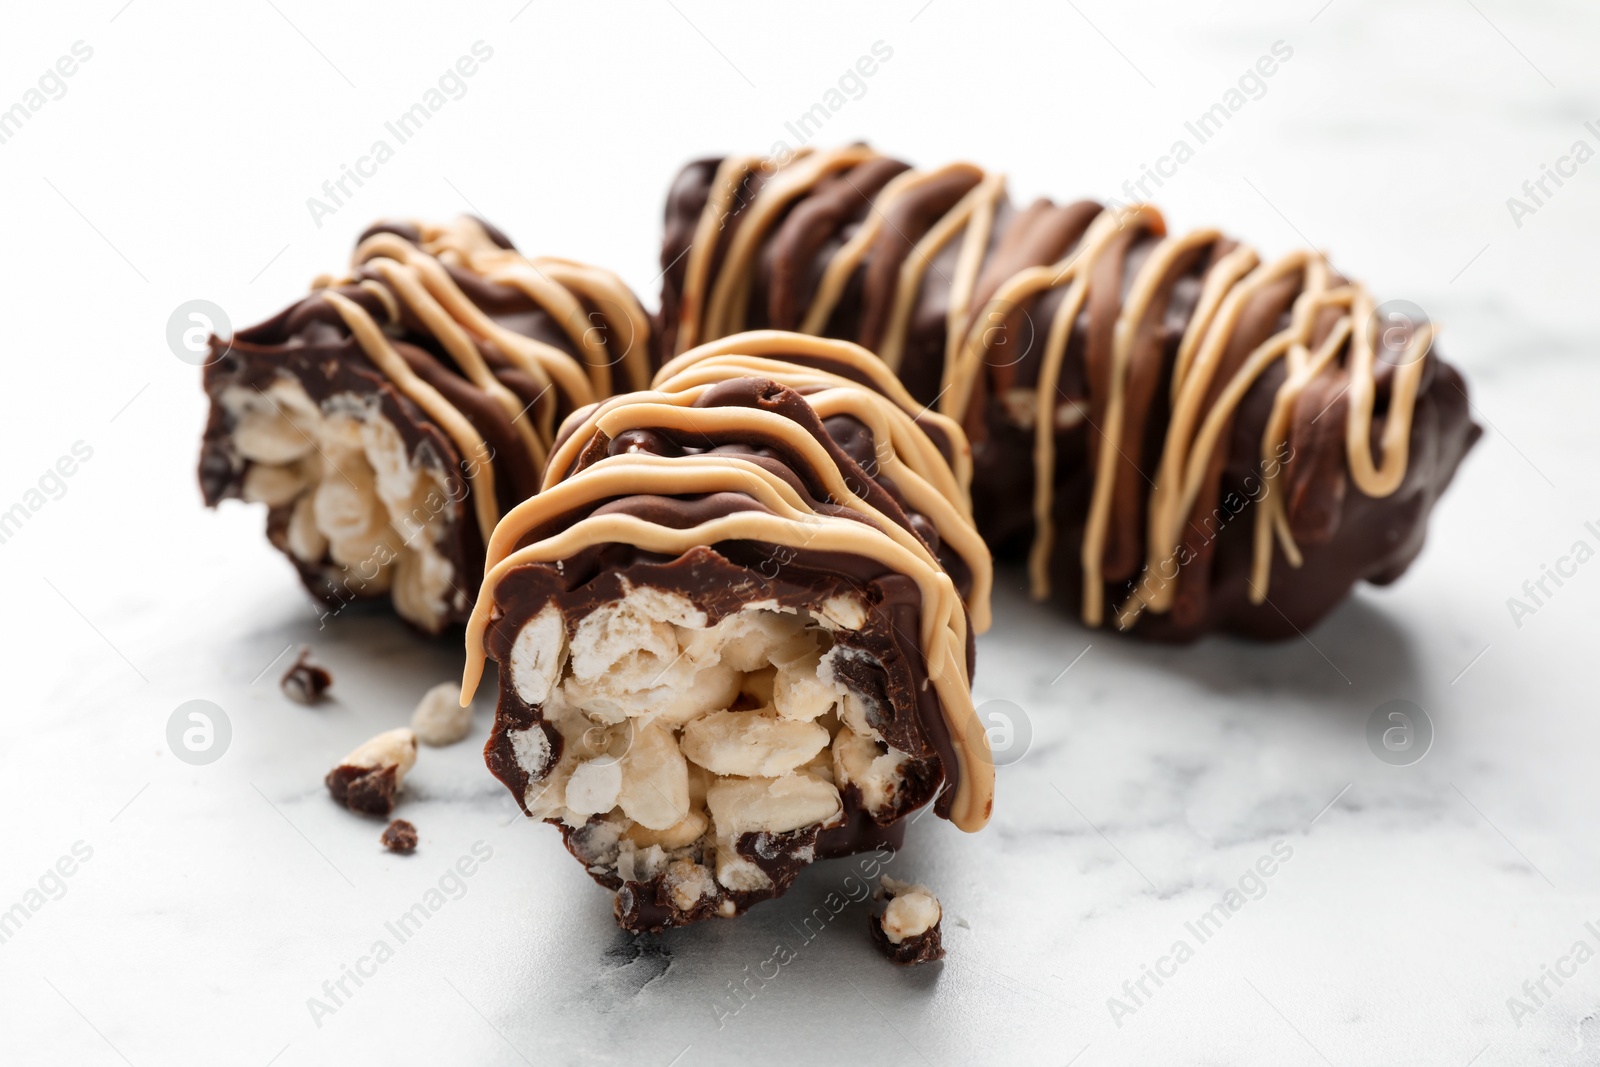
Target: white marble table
(207, 904)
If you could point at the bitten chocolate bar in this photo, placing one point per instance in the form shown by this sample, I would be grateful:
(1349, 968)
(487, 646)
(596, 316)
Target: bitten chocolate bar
(390, 418)
(734, 629)
(1177, 434)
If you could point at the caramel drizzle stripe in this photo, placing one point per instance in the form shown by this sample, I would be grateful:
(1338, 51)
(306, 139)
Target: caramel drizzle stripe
(582, 381)
(1074, 272)
(1187, 451)
(731, 173)
(466, 244)
(474, 452)
(1130, 320)
(401, 264)
(710, 473)
(911, 440)
(458, 241)
(969, 262)
(698, 474)
(1272, 514)
(1044, 440)
(779, 344)
(461, 321)
(391, 306)
(550, 282)
(1371, 479)
(679, 416)
(910, 444)
(1219, 282)
(404, 280)
(962, 372)
(579, 428)
(729, 296)
(955, 529)
(977, 206)
(530, 277)
(942, 619)
(602, 287)
(848, 257)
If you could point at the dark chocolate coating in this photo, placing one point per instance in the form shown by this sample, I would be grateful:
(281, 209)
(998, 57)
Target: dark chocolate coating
(1345, 536)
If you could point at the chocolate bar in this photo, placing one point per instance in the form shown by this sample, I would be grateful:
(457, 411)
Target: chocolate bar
(734, 628)
(390, 418)
(1177, 434)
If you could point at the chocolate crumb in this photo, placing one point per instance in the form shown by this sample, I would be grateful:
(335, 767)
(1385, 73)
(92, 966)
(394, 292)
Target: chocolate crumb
(369, 790)
(305, 682)
(400, 836)
(367, 779)
(907, 931)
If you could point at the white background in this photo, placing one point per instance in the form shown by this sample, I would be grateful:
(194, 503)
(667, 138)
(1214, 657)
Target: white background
(219, 898)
